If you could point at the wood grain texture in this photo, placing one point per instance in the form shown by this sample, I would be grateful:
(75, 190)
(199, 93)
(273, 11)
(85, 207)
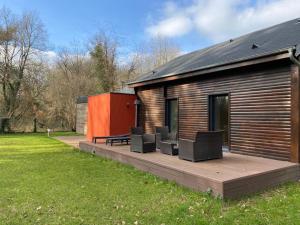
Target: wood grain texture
(295, 133)
(152, 108)
(81, 118)
(260, 108)
(231, 177)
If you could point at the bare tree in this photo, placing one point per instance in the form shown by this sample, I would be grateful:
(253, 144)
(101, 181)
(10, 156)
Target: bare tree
(162, 50)
(148, 56)
(152, 54)
(35, 93)
(21, 39)
(70, 78)
(30, 111)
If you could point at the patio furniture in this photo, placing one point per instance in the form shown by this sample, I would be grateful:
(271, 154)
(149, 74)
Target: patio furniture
(137, 130)
(207, 145)
(169, 147)
(162, 134)
(140, 142)
(117, 140)
(95, 138)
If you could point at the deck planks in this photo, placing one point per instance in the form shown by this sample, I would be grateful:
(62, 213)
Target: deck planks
(231, 177)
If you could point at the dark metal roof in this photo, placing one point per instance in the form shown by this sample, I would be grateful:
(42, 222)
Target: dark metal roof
(125, 90)
(263, 42)
(82, 99)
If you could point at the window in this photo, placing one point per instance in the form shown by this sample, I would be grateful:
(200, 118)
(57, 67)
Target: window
(138, 112)
(172, 115)
(218, 115)
(138, 115)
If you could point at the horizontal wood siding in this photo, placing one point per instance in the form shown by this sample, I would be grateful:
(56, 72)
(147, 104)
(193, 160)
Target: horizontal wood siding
(260, 109)
(81, 118)
(152, 108)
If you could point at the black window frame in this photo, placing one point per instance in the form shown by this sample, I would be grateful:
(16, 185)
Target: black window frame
(167, 113)
(211, 113)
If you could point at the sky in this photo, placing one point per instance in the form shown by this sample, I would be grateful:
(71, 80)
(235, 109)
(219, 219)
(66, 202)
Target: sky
(192, 24)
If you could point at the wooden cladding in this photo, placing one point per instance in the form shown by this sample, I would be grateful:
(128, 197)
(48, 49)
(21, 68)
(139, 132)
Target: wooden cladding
(81, 118)
(260, 109)
(152, 108)
(295, 116)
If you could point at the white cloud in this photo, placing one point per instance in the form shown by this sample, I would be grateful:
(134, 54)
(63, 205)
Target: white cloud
(48, 56)
(171, 27)
(222, 19)
(35, 55)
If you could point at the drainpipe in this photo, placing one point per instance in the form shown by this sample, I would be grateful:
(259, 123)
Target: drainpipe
(292, 57)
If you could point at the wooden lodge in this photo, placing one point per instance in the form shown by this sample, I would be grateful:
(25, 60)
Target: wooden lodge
(248, 87)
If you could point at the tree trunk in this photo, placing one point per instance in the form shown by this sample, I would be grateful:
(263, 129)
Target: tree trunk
(34, 125)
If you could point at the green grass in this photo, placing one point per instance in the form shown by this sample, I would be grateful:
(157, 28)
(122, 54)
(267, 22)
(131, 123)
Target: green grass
(43, 181)
(64, 133)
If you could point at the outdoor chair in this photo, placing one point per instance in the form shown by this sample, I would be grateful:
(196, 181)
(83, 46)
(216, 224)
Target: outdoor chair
(137, 130)
(141, 142)
(162, 134)
(207, 145)
(169, 147)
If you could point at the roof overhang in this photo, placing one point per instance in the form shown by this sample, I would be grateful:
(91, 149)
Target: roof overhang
(278, 55)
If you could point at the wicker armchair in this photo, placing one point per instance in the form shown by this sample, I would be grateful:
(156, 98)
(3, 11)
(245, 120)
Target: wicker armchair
(207, 145)
(137, 130)
(161, 133)
(141, 142)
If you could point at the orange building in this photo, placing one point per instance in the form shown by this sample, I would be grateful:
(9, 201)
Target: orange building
(110, 114)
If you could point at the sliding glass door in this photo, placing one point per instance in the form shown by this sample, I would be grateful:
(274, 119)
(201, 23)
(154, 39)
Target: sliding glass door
(219, 114)
(172, 115)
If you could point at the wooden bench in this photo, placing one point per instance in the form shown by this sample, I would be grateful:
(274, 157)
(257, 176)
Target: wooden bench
(95, 138)
(117, 140)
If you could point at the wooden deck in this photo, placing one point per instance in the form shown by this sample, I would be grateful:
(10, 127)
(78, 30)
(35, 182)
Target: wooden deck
(71, 140)
(231, 177)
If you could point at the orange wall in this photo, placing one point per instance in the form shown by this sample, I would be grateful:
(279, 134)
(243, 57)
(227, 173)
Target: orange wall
(98, 116)
(122, 114)
(110, 114)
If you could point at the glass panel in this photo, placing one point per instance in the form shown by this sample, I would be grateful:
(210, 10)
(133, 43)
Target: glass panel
(173, 115)
(219, 113)
(138, 115)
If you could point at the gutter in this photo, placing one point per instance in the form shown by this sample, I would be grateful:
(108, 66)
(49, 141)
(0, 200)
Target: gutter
(292, 57)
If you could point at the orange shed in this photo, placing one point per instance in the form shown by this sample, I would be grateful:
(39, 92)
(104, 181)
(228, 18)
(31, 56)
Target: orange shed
(110, 114)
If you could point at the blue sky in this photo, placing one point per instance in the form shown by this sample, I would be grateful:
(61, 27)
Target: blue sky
(192, 24)
(68, 20)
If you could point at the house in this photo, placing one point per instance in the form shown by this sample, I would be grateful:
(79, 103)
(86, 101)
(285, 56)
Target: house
(249, 88)
(246, 86)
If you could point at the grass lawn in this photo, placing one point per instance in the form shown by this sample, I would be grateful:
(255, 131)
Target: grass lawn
(43, 181)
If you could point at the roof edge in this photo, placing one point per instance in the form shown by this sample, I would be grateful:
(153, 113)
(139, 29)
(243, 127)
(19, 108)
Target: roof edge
(111, 93)
(277, 55)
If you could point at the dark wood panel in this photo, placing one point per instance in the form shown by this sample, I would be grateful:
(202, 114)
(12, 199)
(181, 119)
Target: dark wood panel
(260, 108)
(152, 108)
(295, 103)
